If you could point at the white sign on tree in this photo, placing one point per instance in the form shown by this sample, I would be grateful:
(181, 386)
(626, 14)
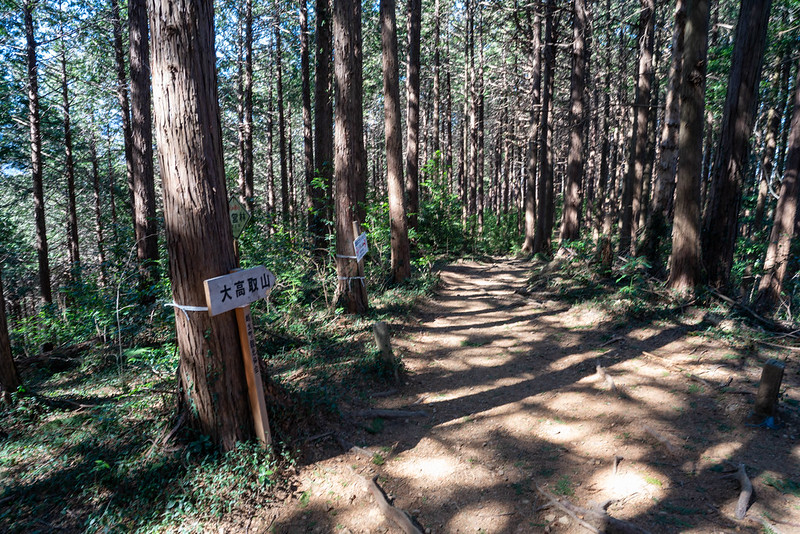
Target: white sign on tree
(238, 289)
(360, 244)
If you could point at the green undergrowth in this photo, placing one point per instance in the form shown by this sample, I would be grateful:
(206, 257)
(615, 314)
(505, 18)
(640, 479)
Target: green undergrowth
(89, 445)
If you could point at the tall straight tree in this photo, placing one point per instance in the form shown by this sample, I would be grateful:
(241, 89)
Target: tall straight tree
(725, 196)
(9, 377)
(122, 94)
(412, 113)
(785, 220)
(314, 216)
(198, 229)
(401, 261)
(69, 169)
(664, 186)
(533, 134)
(632, 187)
(323, 116)
(544, 188)
(350, 155)
(282, 155)
(570, 224)
(36, 154)
(685, 265)
(144, 190)
(246, 186)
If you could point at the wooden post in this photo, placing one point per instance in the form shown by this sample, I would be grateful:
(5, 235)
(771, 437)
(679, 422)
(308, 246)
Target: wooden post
(769, 388)
(255, 388)
(384, 344)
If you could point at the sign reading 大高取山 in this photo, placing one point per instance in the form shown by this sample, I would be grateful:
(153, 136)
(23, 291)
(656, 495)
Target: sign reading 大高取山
(239, 217)
(238, 289)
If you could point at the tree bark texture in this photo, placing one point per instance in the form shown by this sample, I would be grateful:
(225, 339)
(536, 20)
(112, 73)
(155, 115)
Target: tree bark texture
(122, 95)
(401, 260)
(722, 213)
(666, 169)
(544, 189)
(783, 227)
(533, 135)
(685, 267)
(36, 155)
(246, 184)
(98, 211)
(570, 220)
(350, 155)
(282, 155)
(632, 187)
(780, 86)
(198, 229)
(323, 115)
(315, 226)
(144, 191)
(69, 169)
(412, 112)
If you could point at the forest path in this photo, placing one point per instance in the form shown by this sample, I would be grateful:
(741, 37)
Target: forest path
(509, 385)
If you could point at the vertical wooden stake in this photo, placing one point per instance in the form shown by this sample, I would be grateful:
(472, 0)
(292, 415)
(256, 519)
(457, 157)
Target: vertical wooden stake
(769, 388)
(255, 388)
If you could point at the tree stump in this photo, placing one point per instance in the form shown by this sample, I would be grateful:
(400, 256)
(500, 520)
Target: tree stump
(768, 390)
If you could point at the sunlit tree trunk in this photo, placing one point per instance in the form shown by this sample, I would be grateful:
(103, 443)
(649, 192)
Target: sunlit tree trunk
(412, 112)
(632, 187)
(570, 223)
(323, 112)
(533, 135)
(69, 169)
(785, 220)
(36, 155)
(313, 195)
(282, 150)
(122, 94)
(780, 85)
(722, 213)
(685, 266)
(666, 169)
(544, 191)
(401, 266)
(144, 191)
(246, 186)
(98, 211)
(198, 229)
(350, 156)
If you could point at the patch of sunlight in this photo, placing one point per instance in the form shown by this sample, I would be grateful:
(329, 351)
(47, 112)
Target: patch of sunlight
(489, 360)
(717, 452)
(484, 517)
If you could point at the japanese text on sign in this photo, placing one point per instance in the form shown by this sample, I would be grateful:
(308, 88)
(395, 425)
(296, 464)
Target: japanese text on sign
(239, 217)
(360, 245)
(238, 289)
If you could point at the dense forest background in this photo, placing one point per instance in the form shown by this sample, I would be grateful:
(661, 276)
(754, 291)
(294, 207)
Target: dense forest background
(647, 149)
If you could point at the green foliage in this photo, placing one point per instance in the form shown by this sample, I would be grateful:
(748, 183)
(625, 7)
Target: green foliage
(564, 487)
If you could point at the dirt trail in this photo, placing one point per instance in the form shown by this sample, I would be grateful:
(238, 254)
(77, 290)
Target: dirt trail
(513, 399)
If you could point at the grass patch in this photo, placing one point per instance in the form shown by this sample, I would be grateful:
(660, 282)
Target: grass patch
(564, 487)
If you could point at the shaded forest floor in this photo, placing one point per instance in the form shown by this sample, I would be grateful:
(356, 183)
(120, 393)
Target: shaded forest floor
(508, 380)
(502, 370)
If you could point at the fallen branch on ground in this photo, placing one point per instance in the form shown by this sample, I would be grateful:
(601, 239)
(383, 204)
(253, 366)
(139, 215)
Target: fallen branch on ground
(349, 447)
(746, 493)
(396, 515)
(594, 520)
(660, 361)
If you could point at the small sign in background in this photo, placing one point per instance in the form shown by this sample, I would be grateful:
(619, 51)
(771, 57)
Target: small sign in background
(239, 217)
